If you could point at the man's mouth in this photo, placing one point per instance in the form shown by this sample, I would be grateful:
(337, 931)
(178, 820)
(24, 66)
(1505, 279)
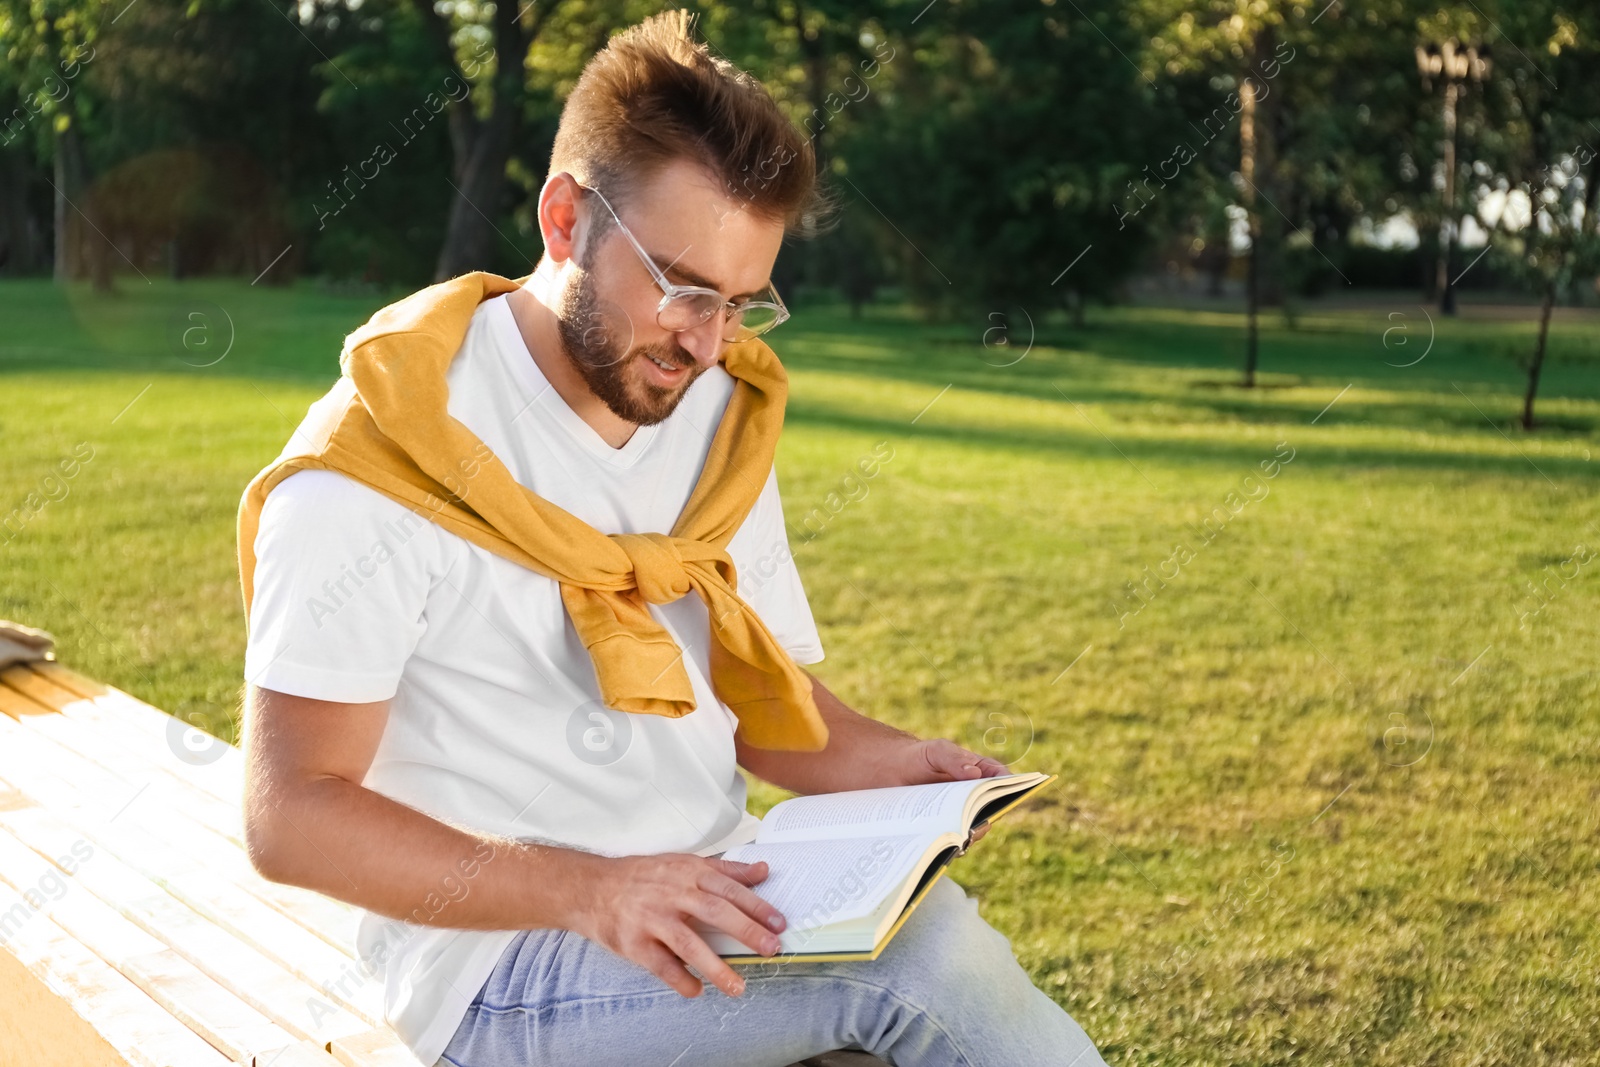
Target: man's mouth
(666, 373)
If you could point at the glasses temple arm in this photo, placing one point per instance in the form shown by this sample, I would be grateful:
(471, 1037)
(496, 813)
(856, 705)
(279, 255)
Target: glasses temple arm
(644, 257)
(660, 276)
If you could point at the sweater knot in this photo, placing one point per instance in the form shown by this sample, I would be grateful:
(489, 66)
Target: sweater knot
(657, 566)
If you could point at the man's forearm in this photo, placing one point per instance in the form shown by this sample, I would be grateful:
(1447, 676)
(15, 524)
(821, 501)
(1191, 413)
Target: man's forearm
(373, 852)
(861, 753)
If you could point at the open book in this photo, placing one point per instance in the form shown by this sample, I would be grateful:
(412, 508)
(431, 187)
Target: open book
(846, 869)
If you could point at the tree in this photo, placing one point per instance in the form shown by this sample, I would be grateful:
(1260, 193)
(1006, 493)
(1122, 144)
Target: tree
(1244, 47)
(480, 145)
(993, 162)
(46, 45)
(1544, 169)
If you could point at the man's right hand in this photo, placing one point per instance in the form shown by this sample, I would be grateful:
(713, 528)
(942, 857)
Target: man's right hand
(639, 907)
(304, 804)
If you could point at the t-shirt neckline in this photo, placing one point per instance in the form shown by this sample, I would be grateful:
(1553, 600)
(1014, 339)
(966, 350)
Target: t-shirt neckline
(550, 399)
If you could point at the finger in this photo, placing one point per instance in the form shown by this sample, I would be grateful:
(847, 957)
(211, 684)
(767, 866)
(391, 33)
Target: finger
(660, 961)
(722, 915)
(743, 899)
(992, 767)
(936, 757)
(744, 873)
(978, 832)
(949, 758)
(691, 948)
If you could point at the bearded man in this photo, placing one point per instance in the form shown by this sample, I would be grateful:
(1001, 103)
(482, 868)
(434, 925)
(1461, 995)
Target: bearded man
(482, 705)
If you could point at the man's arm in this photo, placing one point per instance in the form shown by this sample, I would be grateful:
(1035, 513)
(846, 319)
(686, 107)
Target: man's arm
(863, 753)
(310, 822)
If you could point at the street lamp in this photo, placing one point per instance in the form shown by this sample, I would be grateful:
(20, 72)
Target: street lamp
(1455, 65)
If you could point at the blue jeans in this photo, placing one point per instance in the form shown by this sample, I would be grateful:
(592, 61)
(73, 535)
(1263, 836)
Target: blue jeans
(946, 991)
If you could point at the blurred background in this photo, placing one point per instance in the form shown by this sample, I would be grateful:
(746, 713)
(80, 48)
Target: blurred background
(1228, 372)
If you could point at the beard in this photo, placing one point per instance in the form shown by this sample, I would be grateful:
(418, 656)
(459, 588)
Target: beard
(609, 365)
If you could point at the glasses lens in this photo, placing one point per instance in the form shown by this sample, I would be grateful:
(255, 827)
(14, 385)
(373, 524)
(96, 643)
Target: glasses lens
(752, 322)
(687, 310)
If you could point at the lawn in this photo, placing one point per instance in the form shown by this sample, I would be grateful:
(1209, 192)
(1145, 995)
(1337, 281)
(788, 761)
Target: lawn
(1328, 765)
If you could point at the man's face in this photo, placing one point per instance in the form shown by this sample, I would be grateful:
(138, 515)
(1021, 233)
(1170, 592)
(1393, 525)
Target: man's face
(606, 310)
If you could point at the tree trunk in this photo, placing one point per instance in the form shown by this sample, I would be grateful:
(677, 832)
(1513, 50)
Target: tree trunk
(470, 233)
(815, 63)
(1247, 170)
(80, 244)
(1266, 104)
(21, 250)
(1447, 222)
(68, 165)
(1538, 354)
(480, 148)
(1252, 316)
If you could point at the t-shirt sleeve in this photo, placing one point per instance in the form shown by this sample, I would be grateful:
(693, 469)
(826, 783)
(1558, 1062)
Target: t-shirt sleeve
(342, 577)
(768, 579)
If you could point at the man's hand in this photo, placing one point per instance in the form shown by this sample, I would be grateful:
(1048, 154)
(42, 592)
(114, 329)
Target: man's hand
(863, 753)
(941, 760)
(639, 908)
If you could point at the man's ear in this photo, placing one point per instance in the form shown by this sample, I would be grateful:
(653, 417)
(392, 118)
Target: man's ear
(560, 221)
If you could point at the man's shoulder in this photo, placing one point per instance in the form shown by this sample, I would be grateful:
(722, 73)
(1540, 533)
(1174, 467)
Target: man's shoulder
(324, 498)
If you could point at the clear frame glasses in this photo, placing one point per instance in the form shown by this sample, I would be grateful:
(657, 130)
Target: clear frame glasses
(684, 307)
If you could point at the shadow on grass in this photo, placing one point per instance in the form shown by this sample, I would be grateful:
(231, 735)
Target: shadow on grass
(1173, 367)
(1089, 444)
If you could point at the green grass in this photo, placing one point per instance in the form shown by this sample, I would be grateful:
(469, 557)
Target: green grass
(1324, 799)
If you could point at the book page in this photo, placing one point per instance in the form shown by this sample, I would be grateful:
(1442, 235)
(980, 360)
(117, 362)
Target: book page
(899, 809)
(814, 883)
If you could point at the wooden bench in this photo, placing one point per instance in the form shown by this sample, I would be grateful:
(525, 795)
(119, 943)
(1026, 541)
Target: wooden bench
(133, 929)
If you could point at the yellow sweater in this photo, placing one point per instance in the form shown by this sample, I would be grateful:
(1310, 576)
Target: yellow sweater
(385, 424)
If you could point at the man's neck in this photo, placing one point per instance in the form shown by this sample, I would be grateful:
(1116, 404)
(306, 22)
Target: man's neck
(537, 324)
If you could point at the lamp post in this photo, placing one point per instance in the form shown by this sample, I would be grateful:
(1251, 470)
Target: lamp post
(1455, 65)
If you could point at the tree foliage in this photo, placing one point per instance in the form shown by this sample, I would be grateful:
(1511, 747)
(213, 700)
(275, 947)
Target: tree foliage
(984, 155)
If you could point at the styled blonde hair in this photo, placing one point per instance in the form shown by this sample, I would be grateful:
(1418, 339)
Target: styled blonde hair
(655, 95)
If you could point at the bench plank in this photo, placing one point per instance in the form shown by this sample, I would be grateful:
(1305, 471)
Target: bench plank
(149, 745)
(169, 909)
(192, 998)
(30, 763)
(219, 817)
(18, 706)
(133, 715)
(146, 733)
(376, 1048)
(120, 1014)
(304, 1054)
(138, 763)
(297, 1006)
(228, 907)
(25, 680)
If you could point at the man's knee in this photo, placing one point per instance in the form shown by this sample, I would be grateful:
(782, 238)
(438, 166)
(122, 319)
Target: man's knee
(952, 956)
(954, 930)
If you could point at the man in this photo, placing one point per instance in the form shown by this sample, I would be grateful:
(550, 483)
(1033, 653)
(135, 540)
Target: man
(425, 730)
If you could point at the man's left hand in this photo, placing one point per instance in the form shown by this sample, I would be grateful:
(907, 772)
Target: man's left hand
(941, 760)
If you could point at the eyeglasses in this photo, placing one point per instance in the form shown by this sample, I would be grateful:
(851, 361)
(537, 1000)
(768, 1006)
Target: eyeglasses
(683, 307)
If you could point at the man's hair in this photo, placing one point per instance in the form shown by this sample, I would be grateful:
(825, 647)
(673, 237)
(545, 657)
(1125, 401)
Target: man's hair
(655, 95)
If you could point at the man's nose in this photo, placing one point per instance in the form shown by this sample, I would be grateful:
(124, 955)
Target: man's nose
(704, 342)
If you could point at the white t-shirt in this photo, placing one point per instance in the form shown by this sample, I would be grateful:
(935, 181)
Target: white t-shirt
(496, 723)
